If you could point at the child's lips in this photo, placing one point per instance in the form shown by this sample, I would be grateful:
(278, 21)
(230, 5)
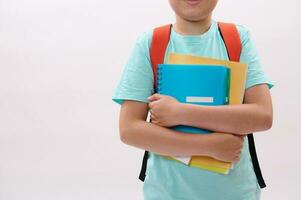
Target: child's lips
(193, 2)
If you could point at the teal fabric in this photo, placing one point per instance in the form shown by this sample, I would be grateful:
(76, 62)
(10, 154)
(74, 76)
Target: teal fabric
(170, 180)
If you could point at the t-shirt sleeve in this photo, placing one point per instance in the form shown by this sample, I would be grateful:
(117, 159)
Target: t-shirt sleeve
(249, 55)
(136, 81)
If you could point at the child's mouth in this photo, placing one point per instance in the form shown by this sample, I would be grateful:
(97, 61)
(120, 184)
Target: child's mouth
(193, 2)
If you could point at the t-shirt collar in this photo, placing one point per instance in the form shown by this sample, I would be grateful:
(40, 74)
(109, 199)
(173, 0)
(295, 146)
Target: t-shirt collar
(195, 38)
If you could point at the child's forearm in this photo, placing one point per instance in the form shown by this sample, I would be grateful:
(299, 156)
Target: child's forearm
(165, 141)
(239, 119)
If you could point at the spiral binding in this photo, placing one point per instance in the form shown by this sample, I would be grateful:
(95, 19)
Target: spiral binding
(159, 78)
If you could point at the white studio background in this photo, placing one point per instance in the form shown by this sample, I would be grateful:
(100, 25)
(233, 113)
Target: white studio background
(59, 63)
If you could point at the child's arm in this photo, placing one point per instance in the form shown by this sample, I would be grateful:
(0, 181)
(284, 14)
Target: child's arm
(256, 114)
(135, 131)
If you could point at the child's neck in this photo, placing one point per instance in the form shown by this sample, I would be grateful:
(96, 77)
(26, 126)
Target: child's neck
(185, 27)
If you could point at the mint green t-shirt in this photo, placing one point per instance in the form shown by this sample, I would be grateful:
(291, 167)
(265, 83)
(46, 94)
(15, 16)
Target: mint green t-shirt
(171, 180)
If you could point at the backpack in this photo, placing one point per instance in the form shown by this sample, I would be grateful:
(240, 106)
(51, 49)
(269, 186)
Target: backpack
(230, 36)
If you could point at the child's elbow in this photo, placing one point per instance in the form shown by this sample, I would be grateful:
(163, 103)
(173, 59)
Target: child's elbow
(124, 133)
(127, 133)
(268, 121)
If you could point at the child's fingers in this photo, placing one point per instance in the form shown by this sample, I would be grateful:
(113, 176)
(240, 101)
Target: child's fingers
(151, 104)
(154, 97)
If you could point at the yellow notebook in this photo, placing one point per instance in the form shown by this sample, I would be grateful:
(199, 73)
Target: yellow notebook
(238, 76)
(202, 163)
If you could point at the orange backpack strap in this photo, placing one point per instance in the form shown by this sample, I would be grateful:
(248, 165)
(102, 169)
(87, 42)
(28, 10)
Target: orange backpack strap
(158, 47)
(231, 39)
(161, 36)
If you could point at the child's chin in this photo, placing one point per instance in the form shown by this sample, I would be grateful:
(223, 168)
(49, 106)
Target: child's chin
(193, 18)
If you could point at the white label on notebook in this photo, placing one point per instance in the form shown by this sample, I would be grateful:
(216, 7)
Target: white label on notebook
(199, 99)
(183, 159)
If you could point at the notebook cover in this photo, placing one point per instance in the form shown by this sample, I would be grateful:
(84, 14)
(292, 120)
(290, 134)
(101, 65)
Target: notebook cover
(194, 84)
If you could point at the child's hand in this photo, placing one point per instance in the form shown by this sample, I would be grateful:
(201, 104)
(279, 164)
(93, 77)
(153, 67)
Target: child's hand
(164, 110)
(226, 147)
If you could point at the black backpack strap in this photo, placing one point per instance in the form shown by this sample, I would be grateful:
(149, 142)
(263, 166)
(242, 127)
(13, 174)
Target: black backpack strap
(160, 40)
(255, 162)
(143, 167)
(253, 154)
(144, 162)
(230, 36)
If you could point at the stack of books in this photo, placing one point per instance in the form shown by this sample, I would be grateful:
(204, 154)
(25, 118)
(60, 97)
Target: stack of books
(203, 81)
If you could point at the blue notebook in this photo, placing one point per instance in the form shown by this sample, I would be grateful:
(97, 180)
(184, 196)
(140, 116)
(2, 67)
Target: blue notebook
(196, 84)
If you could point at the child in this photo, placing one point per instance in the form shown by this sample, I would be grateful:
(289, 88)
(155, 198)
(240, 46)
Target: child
(194, 32)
